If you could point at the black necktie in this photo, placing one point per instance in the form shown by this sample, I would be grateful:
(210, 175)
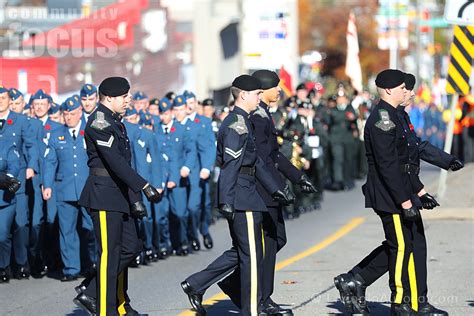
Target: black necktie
(166, 130)
(2, 122)
(74, 134)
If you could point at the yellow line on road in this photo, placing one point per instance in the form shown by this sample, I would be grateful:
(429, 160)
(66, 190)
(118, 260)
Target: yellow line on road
(344, 230)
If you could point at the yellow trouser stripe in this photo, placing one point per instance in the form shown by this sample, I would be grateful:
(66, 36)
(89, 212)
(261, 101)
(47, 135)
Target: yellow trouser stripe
(263, 242)
(253, 264)
(103, 263)
(121, 295)
(399, 262)
(413, 285)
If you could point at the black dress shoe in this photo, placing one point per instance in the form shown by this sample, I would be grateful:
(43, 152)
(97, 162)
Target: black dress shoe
(164, 253)
(401, 310)
(183, 251)
(196, 245)
(40, 271)
(22, 272)
(194, 298)
(208, 243)
(427, 309)
(69, 277)
(80, 288)
(86, 303)
(352, 292)
(4, 275)
(272, 308)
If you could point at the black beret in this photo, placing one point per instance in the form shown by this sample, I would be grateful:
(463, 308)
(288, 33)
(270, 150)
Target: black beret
(410, 81)
(208, 102)
(301, 86)
(269, 79)
(389, 78)
(114, 86)
(247, 83)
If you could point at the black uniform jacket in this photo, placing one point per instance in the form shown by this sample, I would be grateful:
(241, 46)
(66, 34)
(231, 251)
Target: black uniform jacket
(112, 184)
(268, 149)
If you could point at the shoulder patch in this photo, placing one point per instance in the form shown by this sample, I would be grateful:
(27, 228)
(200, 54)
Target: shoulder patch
(239, 125)
(260, 112)
(385, 123)
(100, 123)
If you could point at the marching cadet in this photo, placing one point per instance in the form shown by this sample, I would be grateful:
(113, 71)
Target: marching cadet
(273, 225)
(179, 143)
(200, 129)
(239, 202)
(112, 195)
(9, 184)
(65, 170)
(89, 98)
(16, 129)
(165, 159)
(352, 285)
(43, 126)
(389, 190)
(17, 101)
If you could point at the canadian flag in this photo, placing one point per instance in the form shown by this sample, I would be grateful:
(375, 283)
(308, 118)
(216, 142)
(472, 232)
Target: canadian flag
(353, 70)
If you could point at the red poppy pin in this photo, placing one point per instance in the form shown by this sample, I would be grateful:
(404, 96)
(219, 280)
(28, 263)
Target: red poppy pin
(173, 129)
(9, 121)
(47, 127)
(412, 128)
(81, 132)
(196, 120)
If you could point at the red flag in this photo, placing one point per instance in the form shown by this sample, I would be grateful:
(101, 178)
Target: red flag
(285, 82)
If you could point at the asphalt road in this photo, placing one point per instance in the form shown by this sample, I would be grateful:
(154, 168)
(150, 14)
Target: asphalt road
(321, 244)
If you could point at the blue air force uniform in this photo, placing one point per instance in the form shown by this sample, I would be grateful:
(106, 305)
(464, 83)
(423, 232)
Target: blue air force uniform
(17, 131)
(9, 164)
(240, 167)
(65, 171)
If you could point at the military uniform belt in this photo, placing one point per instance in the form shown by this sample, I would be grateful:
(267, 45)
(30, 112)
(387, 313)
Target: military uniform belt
(409, 168)
(101, 172)
(247, 170)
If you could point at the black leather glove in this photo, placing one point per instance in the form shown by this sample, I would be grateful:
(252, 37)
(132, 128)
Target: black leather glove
(285, 197)
(138, 210)
(428, 201)
(411, 214)
(306, 185)
(456, 164)
(152, 194)
(227, 211)
(9, 183)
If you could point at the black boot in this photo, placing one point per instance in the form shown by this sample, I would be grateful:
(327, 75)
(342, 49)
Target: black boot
(86, 303)
(194, 298)
(401, 310)
(352, 292)
(208, 243)
(4, 275)
(272, 308)
(426, 309)
(22, 272)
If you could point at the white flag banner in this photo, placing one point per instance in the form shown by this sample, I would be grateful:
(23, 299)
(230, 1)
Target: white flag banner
(353, 70)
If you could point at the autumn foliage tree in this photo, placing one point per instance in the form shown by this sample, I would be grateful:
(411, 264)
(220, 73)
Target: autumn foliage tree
(323, 26)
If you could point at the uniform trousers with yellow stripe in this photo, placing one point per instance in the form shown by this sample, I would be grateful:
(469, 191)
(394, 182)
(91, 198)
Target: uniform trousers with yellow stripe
(246, 254)
(119, 244)
(403, 254)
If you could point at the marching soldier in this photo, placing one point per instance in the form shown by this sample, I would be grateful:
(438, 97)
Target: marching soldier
(9, 184)
(112, 195)
(89, 98)
(352, 285)
(277, 164)
(65, 171)
(239, 202)
(16, 130)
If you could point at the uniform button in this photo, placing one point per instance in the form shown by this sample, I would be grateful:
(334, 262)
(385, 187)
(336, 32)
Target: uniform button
(75, 165)
(75, 156)
(75, 174)
(73, 147)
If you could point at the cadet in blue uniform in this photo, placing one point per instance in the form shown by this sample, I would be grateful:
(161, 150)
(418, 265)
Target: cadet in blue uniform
(277, 164)
(239, 201)
(65, 170)
(140, 102)
(44, 126)
(9, 184)
(352, 285)
(17, 131)
(89, 99)
(178, 144)
(200, 128)
(112, 195)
